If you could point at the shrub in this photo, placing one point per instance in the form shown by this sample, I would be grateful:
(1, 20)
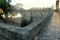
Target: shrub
(24, 22)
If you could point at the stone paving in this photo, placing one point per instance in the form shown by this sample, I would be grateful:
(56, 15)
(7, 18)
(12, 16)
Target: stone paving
(52, 31)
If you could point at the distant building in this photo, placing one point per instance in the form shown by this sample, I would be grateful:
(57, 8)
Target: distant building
(19, 5)
(52, 7)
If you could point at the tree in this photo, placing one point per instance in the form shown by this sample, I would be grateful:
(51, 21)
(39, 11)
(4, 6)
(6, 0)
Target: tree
(4, 5)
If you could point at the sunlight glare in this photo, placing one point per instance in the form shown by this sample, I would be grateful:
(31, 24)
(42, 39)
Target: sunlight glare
(3, 15)
(18, 15)
(27, 4)
(15, 16)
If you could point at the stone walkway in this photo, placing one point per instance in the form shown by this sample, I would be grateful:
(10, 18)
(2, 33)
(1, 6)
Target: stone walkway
(52, 31)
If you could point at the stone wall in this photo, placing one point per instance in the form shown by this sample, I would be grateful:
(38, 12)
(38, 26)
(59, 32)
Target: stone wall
(27, 14)
(8, 32)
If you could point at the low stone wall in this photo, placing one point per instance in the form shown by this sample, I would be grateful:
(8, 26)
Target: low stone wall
(27, 14)
(8, 32)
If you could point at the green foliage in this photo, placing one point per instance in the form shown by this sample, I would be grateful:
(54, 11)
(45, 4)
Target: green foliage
(2, 1)
(4, 5)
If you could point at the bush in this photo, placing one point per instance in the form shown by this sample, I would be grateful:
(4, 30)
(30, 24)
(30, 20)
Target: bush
(24, 22)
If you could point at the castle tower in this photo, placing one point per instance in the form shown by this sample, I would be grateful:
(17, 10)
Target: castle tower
(57, 5)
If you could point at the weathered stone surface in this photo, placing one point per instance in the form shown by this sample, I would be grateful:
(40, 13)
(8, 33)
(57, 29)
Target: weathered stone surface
(26, 14)
(26, 33)
(52, 29)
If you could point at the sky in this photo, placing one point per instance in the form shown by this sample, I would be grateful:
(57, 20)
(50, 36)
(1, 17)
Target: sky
(27, 4)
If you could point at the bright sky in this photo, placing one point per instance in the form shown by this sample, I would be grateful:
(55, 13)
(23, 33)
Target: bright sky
(34, 3)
